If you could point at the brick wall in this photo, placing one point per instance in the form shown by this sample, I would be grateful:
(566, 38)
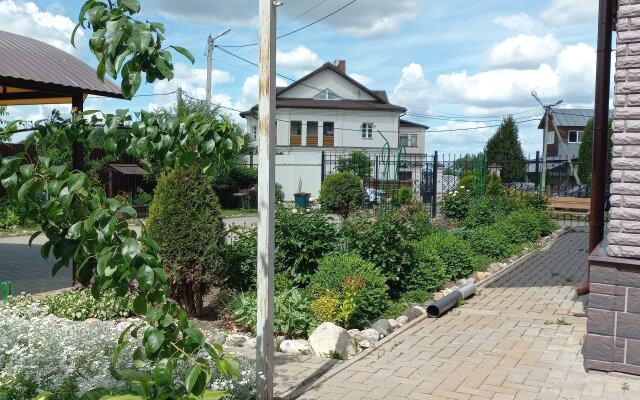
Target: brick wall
(624, 230)
(613, 336)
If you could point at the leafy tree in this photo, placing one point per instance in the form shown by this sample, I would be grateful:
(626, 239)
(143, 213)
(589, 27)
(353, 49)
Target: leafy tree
(585, 154)
(357, 163)
(83, 226)
(342, 193)
(504, 148)
(462, 165)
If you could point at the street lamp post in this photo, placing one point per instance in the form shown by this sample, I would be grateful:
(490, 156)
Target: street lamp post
(211, 43)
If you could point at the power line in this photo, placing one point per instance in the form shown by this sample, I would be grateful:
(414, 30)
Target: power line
(303, 14)
(296, 30)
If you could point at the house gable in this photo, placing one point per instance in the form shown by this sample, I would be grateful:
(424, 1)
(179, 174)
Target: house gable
(314, 83)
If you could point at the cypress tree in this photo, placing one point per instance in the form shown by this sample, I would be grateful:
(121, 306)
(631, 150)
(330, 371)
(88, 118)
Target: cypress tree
(504, 148)
(585, 154)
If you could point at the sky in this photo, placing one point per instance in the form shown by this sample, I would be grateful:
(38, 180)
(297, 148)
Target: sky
(458, 66)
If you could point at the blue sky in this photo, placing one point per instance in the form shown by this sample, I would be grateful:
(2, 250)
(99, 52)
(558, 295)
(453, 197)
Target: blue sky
(463, 64)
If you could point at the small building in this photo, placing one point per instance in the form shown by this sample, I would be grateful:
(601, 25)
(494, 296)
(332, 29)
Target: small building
(123, 178)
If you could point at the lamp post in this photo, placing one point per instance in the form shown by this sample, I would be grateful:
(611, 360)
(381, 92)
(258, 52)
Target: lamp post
(547, 114)
(210, 45)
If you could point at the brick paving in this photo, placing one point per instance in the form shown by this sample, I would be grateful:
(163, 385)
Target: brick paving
(516, 339)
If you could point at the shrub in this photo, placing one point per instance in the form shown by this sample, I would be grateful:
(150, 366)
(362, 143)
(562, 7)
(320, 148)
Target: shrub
(467, 182)
(428, 273)
(240, 259)
(292, 312)
(338, 307)
(528, 199)
(456, 205)
(336, 274)
(495, 188)
(454, 252)
(76, 305)
(231, 181)
(531, 223)
(384, 244)
(12, 214)
(489, 211)
(412, 221)
(302, 239)
(342, 193)
(490, 241)
(403, 197)
(142, 198)
(357, 163)
(279, 193)
(185, 220)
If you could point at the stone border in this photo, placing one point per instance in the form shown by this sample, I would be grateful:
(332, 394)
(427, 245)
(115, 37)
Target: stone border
(300, 390)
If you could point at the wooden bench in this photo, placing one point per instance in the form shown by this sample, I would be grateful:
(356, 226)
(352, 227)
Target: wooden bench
(569, 206)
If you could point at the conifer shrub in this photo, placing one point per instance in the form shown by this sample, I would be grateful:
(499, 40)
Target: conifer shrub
(185, 220)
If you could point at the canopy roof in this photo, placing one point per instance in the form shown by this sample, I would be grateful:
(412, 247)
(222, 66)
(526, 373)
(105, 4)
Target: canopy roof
(33, 72)
(126, 169)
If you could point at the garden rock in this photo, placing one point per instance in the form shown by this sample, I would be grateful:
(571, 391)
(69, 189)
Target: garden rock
(235, 340)
(251, 343)
(383, 326)
(328, 339)
(439, 295)
(402, 320)
(394, 324)
(354, 332)
(294, 346)
(218, 337)
(364, 343)
(371, 335)
(92, 321)
(414, 312)
(279, 340)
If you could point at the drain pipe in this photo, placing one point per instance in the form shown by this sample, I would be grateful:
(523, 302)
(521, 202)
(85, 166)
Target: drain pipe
(449, 301)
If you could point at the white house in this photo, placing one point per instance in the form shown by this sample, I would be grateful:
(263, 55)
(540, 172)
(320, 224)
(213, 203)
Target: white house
(328, 110)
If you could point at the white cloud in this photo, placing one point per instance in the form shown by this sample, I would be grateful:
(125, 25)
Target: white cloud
(456, 137)
(250, 91)
(413, 90)
(298, 58)
(28, 20)
(365, 18)
(520, 22)
(569, 12)
(362, 79)
(192, 80)
(523, 51)
(571, 80)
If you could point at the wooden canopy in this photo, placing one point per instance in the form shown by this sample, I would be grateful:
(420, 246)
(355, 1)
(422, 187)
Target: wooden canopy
(33, 73)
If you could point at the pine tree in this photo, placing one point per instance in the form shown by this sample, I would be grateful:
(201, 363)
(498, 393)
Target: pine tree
(504, 148)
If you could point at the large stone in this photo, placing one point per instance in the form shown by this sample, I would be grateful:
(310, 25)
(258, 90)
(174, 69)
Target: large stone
(218, 337)
(414, 312)
(251, 343)
(294, 346)
(329, 340)
(354, 332)
(402, 319)
(370, 334)
(235, 340)
(383, 326)
(394, 324)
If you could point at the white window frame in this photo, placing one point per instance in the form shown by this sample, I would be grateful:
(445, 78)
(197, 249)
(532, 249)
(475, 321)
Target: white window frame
(325, 131)
(367, 130)
(411, 140)
(579, 135)
(255, 132)
(327, 94)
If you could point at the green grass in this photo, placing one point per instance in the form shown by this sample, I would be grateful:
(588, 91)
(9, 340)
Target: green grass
(235, 213)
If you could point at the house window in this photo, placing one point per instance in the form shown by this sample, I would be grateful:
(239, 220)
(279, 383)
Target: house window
(326, 95)
(551, 138)
(296, 128)
(575, 136)
(255, 132)
(367, 130)
(327, 128)
(409, 140)
(405, 176)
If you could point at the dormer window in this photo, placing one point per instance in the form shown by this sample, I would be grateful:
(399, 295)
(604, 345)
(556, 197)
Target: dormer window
(326, 95)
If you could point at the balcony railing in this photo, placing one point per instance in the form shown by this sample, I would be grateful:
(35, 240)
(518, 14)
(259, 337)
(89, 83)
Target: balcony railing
(295, 140)
(327, 141)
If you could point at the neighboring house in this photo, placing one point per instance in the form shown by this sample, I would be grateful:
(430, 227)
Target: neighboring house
(570, 123)
(328, 110)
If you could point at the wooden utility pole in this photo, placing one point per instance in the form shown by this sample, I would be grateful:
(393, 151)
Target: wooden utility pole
(209, 66)
(543, 178)
(266, 197)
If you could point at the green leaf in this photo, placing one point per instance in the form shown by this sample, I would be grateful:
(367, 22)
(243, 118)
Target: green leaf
(135, 376)
(145, 278)
(154, 338)
(123, 397)
(26, 170)
(141, 38)
(185, 53)
(140, 305)
(193, 374)
(130, 248)
(150, 243)
(129, 211)
(214, 395)
(194, 336)
(131, 5)
(24, 189)
(76, 181)
(163, 373)
(35, 235)
(43, 396)
(75, 230)
(10, 181)
(110, 146)
(45, 249)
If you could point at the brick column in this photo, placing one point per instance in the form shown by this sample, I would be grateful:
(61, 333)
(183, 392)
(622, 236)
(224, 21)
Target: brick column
(613, 315)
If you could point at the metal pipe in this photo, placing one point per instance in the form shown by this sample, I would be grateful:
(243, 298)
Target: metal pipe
(449, 301)
(600, 132)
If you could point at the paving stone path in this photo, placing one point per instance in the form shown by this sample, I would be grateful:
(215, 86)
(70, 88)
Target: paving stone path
(516, 339)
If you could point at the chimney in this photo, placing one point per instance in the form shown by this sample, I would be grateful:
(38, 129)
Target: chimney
(342, 66)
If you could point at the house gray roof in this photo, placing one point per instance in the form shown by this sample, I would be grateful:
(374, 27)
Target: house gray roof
(404, 122)
(28, 62)
(126, 169)
(571, 117)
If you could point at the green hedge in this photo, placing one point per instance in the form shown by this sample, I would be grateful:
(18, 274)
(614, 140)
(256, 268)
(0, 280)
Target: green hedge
(455, 253)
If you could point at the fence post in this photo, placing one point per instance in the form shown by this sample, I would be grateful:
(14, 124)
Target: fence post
(251, 160)
(322, 171)
(434, 185)
(537, 169)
